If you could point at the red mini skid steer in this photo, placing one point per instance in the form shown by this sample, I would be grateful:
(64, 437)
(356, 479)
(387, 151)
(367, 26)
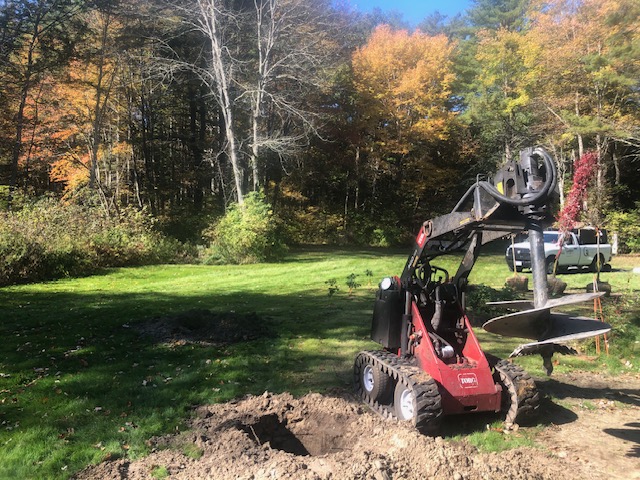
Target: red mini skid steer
(431, 364)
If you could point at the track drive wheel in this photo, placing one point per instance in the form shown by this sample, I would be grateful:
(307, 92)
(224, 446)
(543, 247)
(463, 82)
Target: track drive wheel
(375, 384)
(420, 404)
(520, 397)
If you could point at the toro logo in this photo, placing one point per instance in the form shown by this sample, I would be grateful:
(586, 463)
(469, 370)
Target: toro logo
(468, 380)
(421, 239)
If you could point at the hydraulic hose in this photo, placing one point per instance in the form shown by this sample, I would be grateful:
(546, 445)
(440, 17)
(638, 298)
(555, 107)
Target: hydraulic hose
(549, 184)
(543, 193)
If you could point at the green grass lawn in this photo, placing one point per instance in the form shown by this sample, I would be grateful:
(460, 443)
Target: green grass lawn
(78, 384)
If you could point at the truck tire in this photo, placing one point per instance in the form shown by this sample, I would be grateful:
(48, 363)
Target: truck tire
(518, 269)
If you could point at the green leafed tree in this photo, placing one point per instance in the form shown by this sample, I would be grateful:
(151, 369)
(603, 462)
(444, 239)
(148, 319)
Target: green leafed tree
(499, 14)
(589, 83)
(501, 96)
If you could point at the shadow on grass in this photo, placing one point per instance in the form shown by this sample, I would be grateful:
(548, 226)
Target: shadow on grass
(631, 433)
(78, 378)
(549, 413)
(560, 390)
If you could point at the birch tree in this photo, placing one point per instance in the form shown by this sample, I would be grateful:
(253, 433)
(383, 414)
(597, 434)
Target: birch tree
(262, 61)
(293, 50)
(220, 27)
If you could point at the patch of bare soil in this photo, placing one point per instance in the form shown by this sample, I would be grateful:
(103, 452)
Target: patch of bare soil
(590, 429)
(204, 327)
(593, 420)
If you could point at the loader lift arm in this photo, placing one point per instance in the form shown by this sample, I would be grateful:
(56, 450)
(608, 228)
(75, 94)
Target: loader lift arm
(514, 201)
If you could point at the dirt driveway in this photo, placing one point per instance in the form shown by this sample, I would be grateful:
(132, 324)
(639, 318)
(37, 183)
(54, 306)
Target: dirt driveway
(594, 420)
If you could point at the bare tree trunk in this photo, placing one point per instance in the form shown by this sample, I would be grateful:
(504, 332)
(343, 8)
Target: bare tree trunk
(220, 71)
(561, 165)
(356, 200)
(17, 145)
(265, 36)
(579, 136)
(20, 120)
(601, 147)
(98, 107)
(616, 166)
(103, 88)
(291, 50)
(346, 207)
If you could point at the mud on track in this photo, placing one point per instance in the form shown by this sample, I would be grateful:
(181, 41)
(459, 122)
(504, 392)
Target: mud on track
(589, 429)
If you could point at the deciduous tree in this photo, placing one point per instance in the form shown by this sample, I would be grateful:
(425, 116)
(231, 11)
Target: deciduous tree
(589, 78)
(501, 103)
(40, 36)
(403, 84)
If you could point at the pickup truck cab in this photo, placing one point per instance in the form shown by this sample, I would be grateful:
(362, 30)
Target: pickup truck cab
(575, 253)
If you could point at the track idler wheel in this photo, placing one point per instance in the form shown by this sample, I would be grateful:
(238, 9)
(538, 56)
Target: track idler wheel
(419, 404)
(520, 396)
(398, 390)
(375, 384)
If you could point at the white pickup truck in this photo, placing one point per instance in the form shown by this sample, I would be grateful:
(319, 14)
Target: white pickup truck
(578, 250)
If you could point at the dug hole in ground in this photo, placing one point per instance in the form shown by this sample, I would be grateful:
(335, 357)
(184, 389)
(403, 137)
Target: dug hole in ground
(588, 428)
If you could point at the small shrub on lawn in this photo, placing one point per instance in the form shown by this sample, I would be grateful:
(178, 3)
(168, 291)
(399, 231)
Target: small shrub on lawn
(247, 233)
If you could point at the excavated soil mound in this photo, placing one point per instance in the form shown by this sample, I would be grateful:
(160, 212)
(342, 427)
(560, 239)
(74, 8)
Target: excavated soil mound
(321, 437)
(204, 327)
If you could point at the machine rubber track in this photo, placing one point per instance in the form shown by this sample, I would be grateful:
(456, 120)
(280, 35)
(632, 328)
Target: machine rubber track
(520, 397)
(428, 402)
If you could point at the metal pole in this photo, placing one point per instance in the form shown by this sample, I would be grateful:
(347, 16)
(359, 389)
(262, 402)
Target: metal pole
(538, 265)
(406, 321)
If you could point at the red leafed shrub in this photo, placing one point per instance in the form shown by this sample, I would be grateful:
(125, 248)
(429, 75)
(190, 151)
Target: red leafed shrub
(583, 171)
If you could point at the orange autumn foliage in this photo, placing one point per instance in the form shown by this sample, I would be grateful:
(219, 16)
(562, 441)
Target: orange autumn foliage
(404, 81)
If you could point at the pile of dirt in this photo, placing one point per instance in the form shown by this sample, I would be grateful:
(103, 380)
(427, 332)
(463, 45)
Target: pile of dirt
(204, 327)
(322, 437)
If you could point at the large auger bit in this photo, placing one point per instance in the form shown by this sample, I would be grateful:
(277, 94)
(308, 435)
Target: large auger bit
(550, 330)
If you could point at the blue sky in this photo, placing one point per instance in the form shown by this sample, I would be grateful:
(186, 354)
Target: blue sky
(414, 10)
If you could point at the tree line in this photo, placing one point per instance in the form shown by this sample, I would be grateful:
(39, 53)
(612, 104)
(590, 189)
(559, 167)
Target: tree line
(347, 122)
